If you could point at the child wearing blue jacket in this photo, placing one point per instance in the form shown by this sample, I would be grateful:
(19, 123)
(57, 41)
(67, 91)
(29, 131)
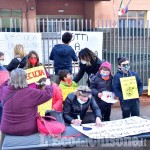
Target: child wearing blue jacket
(129, 107)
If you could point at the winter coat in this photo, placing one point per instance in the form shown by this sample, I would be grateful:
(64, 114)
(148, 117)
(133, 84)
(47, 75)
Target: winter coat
(17, 63)
(117, 85)
(92, 69)
(63, 55)
(57, 99)
(72, 108)
(98, 84)
(20, 111)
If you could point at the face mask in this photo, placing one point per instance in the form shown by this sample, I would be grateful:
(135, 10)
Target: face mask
(33, 61)
(80, 101)
(83, 62)
(125, 67)
(1, 63)
(104, 75)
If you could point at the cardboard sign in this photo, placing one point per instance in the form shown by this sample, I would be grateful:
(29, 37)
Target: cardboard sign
(129, 88)
(116, 129)
(43, 107)
(35, 74)
(148, 86)
(66, 91)
(4, 76)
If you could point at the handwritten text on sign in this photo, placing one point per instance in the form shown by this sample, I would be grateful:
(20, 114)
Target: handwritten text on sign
(35, 74)
(117, 129)
(30, 41)
(91, 40)
(129, 88)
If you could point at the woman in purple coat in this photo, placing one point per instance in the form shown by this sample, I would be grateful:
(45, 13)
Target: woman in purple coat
(20, 104)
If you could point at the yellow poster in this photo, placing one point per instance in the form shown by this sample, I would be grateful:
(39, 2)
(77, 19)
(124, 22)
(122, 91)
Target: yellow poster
(129, 88)
(43, 107)
(148, 86)
(35, 74)
(66, 91)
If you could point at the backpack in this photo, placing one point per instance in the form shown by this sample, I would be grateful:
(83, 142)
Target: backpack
(48, 125)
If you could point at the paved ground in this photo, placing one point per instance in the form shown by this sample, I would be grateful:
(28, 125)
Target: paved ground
(117, 113)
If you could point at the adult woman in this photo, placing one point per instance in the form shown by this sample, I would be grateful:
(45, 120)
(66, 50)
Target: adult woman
(20, 104)
(89, 63)
(77, 104)
(33, 61)
(19, 60)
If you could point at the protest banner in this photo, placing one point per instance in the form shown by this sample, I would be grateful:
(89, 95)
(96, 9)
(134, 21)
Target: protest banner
(66, 91)
(148, 86)
(45, 106)
(35, 74)
(30, 41)
(83, 39)
(129, 88)
(116, 129)
(4, 76)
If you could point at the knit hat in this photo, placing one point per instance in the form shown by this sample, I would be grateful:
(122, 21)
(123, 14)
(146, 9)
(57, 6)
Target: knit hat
(105, 64)
(121, 59)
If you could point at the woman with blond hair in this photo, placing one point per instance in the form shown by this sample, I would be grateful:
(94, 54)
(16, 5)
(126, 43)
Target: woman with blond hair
(76, 106)
(19, 60)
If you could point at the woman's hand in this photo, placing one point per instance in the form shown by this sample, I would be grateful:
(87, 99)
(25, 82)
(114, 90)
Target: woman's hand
(76, 122)
(98, 122)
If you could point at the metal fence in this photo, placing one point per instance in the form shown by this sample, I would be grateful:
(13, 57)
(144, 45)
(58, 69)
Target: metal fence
(119, 39)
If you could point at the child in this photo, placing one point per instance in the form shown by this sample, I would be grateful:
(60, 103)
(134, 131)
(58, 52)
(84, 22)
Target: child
(57, 98)
(100, 82)
(66, 84)
(129, 107)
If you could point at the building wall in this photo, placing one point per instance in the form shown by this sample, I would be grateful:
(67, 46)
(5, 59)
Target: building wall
(28, 15)
(51, 7)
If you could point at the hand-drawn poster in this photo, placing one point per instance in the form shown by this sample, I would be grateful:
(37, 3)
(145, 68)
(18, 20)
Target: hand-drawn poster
(83, 39)
(35, 74)
(43, 107)
(129, 88)
(108, 97)
(116, 129)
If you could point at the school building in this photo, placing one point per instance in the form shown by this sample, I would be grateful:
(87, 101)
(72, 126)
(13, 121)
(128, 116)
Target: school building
(33, 15)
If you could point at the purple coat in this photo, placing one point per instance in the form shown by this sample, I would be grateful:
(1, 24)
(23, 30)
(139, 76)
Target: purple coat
(20, 111)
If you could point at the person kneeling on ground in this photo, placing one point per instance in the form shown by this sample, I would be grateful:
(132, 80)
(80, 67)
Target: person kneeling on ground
(76, 106)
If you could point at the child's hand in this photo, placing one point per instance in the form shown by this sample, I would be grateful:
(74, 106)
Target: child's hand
(99, 95)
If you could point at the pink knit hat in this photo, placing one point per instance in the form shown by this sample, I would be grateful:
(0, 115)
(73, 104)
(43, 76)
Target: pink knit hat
(105, 64)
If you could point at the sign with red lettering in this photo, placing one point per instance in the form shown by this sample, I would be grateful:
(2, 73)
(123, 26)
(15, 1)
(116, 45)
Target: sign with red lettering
(35, 74)
(4, 76)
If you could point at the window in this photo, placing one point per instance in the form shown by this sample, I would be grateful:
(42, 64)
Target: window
(134, 21)
(10, 20)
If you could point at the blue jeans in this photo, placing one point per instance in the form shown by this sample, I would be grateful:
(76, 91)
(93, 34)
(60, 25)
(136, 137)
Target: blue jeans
(130, 108)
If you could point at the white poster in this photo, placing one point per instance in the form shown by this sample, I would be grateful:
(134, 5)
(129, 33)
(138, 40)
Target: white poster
(116, 129)
(91, 40)
(30, 41)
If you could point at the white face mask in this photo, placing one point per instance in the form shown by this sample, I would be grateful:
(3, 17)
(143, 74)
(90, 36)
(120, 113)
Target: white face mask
(83, 62)
(2, 63)
(80, 101)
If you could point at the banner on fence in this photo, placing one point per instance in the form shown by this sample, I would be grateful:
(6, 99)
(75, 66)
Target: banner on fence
(35, 74)
(116, 129)
(129, 88)
(91, 40)
(30, 41)
(4, 76)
